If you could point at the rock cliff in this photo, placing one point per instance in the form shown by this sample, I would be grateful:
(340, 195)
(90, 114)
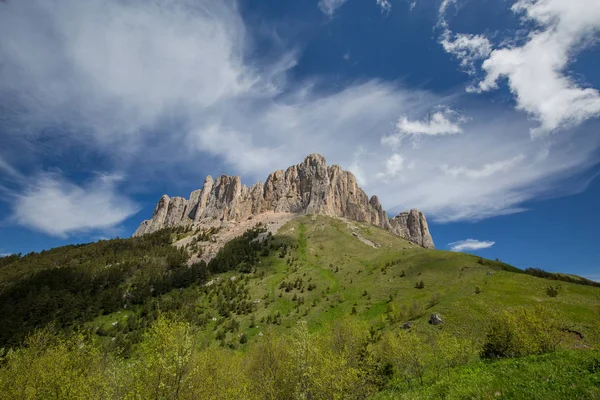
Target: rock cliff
(310, 187)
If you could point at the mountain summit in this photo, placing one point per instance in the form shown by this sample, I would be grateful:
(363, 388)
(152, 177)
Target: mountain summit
(310, 187)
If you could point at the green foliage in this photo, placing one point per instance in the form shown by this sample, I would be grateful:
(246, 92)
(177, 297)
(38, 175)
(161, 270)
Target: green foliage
(74, 284)
(522, 331)
(555, 376)
(241, 252)
(414, 358)
(52, 367)
(552, 291)
(351, 296)
(498, 264)
(540, 273)
(345, 362)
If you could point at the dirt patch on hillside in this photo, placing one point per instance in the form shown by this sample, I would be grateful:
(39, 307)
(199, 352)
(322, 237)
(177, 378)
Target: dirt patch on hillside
(230, 230)
(355, 231)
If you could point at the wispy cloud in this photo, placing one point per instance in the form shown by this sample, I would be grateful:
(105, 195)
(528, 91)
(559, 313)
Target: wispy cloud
(393, 166)
(467, 48)
(59, 208)
(443, 121)
(329, 7)
(470, 245)
(385, 5)
(536, 70)
(155, 86)
(485, 171)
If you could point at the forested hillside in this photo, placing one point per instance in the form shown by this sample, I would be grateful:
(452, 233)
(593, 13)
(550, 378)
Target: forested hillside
(326, 308)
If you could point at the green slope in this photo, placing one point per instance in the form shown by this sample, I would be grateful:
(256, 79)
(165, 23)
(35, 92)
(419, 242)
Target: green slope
(316, 310)
(563, 375)
(325, 253)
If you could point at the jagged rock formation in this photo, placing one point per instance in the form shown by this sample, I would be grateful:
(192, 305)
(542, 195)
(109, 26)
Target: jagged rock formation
(310, 187)
(413, 226)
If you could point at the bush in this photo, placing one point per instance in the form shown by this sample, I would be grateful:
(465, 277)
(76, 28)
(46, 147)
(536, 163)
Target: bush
(552, 291)
(540, 273)
(414, 357)
(520, 332)
(420, 285)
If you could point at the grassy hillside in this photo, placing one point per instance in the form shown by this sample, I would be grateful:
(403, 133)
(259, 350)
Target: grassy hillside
(378, 283)
(323, 300)
(563, 375)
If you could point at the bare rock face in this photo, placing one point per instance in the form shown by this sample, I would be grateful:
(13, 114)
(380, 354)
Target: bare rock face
(413, 226)
(310, 187)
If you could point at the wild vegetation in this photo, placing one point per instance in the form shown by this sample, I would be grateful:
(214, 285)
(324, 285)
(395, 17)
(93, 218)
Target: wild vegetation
(311, 312)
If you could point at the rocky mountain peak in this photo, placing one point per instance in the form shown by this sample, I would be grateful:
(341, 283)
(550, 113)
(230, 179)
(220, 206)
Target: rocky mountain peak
(310, 187)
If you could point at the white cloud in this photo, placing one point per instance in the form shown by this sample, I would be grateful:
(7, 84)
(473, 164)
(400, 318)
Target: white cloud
(134, 61)
(329, 7)
(7, 169)
(385, 5)
(470, 245)
(536, 70)
(443, 121)
(162, 88)
(467, 48)
(393, 166)
(356, 166)
(491, 169)
(444, 6)
(57, 207)
(485, 171)
(5, 254)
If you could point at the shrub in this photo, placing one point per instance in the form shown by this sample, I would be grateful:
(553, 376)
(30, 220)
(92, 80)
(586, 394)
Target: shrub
(540, 273)
(414, 357)
(477, 290)
(420, 285)
(552, 291)
(520, 332)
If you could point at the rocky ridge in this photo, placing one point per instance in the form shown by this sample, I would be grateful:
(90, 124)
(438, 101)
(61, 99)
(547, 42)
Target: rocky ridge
(310, 187)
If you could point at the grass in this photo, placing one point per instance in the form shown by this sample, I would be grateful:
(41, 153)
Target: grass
(562, 375)
(343, 268)
(378, 282)
(326, 254)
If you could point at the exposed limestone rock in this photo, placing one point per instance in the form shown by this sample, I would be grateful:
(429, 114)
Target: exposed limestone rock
(435, 319)
(158, 217)
(175, 211)
(413, 226)
(310, 187)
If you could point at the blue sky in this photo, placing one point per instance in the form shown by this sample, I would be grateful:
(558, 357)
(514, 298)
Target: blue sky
(483, 114)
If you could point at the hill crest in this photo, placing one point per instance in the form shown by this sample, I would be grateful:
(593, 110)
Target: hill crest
(310, 187)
